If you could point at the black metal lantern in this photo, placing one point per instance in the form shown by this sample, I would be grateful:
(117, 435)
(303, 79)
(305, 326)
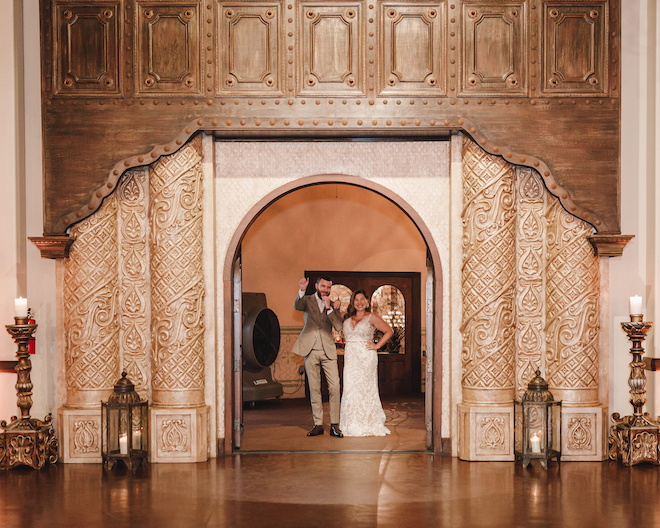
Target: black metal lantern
(537, 424)
(125, 419)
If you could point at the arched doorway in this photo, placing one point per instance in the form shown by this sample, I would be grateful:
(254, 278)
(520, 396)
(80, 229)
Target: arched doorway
(431, 293)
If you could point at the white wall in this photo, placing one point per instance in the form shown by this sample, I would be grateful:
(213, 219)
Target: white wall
(22, 271)
(636, 273)
(9, 215)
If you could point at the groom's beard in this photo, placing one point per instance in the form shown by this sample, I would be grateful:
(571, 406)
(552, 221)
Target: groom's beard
(319, 294)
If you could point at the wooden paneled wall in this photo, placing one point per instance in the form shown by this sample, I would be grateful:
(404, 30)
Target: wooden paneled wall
(127, 81)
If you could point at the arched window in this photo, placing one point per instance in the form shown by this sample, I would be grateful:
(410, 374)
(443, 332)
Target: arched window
(388, 302)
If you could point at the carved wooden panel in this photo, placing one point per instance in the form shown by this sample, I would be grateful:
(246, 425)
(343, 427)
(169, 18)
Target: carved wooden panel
(575, 48)
(331, 55)
(494, 55)
(86, 49)
(168, 55)
(412, 53)
(248, 48)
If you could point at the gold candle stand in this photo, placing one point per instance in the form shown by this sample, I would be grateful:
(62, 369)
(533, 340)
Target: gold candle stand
(634, 439)
(26, 441)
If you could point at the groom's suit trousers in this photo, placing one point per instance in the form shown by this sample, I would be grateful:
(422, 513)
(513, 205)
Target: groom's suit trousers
(314, 361)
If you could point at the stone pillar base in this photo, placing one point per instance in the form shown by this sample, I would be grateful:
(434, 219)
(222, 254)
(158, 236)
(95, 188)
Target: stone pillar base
(485, 432)
(79, 431)
(179, 434)
(584, 433)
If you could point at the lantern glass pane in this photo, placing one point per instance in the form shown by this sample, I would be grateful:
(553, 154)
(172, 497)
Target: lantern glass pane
(554, 425)
(518, 426)
(535, 434)
(113, 430)
(136, 427)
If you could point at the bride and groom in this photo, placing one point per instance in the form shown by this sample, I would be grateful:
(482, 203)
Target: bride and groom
(361, 410)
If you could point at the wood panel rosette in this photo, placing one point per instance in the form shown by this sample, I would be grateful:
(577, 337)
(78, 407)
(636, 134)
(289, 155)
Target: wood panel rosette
(168, 54)
(249, 57)
(86, 49)
(331, 55)
(494, 50)
(575, 48)
(413, 48)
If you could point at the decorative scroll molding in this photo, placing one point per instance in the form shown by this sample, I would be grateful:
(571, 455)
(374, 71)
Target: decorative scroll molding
(572, 310)
(609, 245)
(90, 305)
(177, 279)
(488, 274)
(530, 276)
(53, 247)
(134, 292)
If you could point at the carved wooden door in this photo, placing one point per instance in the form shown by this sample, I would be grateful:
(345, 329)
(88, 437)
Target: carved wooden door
(398, 373)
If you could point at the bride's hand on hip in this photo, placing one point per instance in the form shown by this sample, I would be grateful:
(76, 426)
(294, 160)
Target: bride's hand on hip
(371, 346)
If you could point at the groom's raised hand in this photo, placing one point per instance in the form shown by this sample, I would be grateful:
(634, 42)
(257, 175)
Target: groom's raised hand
(302, 284)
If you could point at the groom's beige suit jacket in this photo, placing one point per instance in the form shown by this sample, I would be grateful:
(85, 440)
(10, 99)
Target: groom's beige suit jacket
(318, 327)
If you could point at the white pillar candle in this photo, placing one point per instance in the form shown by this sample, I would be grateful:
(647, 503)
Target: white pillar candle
(123, 444)
(137, 439)
(635, 305)
(535, 443)
(20, 307)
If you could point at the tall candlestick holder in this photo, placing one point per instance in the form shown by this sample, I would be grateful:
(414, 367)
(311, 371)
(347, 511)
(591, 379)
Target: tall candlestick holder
(26, 441)
(634, 439)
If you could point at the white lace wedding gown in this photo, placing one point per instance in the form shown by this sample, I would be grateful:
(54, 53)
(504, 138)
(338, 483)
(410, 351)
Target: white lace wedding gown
(361, 411)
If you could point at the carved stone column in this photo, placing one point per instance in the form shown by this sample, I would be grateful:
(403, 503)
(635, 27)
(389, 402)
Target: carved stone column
(572, 330)
(530, 276)
(134, 292)
(179, 414)
(488, 279)
(91, 330)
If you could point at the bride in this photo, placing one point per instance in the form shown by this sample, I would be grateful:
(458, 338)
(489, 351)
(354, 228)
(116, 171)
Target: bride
(361, 411)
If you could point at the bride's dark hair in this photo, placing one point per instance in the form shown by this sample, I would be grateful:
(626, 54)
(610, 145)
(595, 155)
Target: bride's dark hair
(351, 305)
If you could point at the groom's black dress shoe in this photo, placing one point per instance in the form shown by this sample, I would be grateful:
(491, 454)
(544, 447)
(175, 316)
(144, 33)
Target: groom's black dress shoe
(316, 430)
(335, 431)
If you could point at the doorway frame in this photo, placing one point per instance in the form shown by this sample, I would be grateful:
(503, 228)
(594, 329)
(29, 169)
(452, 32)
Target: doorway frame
(226, 445)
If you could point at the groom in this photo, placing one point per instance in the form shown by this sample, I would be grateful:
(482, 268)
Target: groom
(316, 345)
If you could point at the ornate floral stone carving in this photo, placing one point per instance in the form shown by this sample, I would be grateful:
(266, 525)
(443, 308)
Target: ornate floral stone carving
(492, 433)
(91, 322)
(177, 280)
(134, 338)
(86, 436)
(530, 276)
(579, 435)
(174, 436)
(488, 275)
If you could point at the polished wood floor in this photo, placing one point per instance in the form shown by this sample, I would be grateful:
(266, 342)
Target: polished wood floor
(332, 490)
(283, 427)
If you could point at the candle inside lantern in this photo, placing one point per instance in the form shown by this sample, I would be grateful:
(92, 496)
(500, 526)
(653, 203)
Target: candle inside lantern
(137, 439)
(535, 443)
(635, 305)
(20, 307)
(123, 444)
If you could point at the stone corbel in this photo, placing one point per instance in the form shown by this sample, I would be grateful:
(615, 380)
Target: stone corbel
(609, 245)
(53, 247)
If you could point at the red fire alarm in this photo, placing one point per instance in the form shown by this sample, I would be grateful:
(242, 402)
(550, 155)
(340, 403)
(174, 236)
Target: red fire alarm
(32, 347)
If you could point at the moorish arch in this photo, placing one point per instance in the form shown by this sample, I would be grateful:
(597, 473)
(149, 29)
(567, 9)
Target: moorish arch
(518, 288)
